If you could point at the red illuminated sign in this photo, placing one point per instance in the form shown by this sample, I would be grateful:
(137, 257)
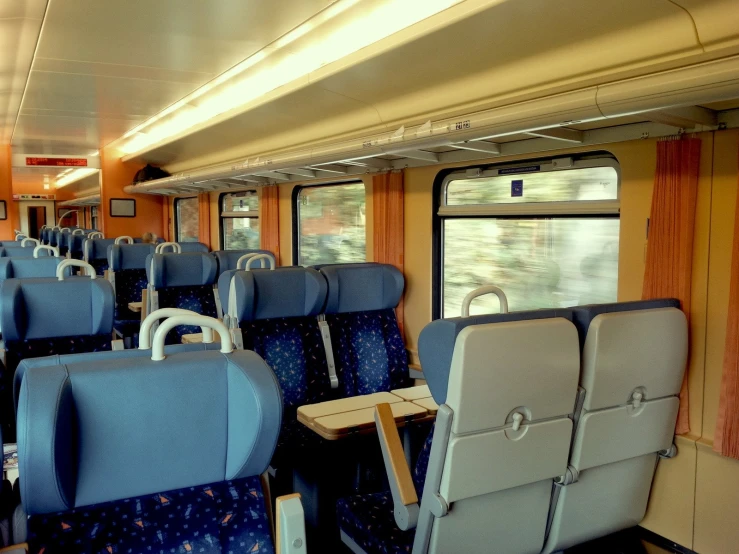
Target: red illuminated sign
(57, 162)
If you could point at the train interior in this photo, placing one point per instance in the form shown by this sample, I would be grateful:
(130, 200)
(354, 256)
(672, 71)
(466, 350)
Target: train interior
(369, 276)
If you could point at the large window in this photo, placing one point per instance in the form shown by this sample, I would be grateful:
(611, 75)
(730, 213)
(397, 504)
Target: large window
(187, 219)
(240, 220)
(547, 233)
(329, 224)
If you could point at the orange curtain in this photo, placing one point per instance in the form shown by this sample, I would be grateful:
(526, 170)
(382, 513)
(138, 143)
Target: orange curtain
(204, 219)
(726, 441)
(670, 242)
(269, 220)
(388, 231)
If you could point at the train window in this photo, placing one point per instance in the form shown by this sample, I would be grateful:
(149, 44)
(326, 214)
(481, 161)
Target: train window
(94, 218)
(547, 233)
(240, 220)
(329, 224)
(187, 219)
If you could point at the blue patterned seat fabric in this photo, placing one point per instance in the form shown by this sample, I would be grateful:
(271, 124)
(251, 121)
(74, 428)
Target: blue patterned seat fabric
(128, 286)
(369, 351)
(212, 519)
(369, 521)
(100, 266)
(198, 299)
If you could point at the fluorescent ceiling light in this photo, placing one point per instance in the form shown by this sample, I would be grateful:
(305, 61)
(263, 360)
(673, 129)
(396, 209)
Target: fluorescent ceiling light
(73, 175)
(311, 47)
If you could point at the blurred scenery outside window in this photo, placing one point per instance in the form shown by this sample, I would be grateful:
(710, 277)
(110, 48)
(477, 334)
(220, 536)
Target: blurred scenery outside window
(331, 224)
(542, 256)
(240, 220)
(187, 219)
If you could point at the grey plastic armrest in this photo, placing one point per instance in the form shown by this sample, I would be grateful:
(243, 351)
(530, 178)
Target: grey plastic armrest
(405, 499)
(290, 532)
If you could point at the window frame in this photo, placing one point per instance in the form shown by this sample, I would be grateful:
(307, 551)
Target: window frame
(176, 217)
(235, 215)
(296, 207)
(583, 209)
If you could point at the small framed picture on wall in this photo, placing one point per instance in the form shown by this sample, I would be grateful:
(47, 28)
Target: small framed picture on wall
(122, 207)
(3, 210)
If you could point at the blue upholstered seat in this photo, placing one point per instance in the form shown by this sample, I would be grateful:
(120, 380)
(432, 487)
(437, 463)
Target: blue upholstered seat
(183, 281)
(227, 258)
(20, 252)
(42, 317)
(277, 311)
(119, 484)
(29, 268)
(128, 264)
(360, 311)
(95, 253)
(189, 247)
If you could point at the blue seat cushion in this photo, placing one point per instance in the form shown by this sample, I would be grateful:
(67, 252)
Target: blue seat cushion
(100, 266)
(213, 519)
(128, 286)
(199, 299)
(369, 521)
(370, 353)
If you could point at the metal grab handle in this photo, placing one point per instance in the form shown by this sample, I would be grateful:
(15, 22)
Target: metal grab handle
(78, 232)
(488, 289)
(260, 257)
(157, 349)
(24, 241)
(244, 259)
(65, 229)
(75, 263)
(54, 250)
(176, 248)
(128, 239)
(95, 235)
(153, 317)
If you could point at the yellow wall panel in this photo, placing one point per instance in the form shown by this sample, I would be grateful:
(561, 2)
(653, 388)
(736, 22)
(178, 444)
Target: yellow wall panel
(716, 503)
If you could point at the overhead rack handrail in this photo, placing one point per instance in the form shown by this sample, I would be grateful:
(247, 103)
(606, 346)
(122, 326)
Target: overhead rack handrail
(696, 84)
(90, 200)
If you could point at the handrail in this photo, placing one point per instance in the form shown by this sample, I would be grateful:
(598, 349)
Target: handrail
(260, 257)
(119, 240)
(54, 250)
(75, 263)
(95, 235)
(19, 235)
(488, 289)
(157, 349)
(153, 317)
(78, 232)
(176, 248)
(247, 257)
(24, 241)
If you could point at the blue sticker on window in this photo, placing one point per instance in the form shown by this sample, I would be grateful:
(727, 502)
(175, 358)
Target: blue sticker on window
(517, 188)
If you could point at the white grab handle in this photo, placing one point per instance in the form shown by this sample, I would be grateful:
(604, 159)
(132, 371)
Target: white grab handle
(65, 229)
(260, 257)
(119, 240)
(34, 241)
(95, 235)
(56, 228)
(176, 248)
(156, 315)
(157, 349)
(78, 232)
(488, 289)
(241, 262)
(75, 263)
(54, 250)
(20, 236)
(43, 227)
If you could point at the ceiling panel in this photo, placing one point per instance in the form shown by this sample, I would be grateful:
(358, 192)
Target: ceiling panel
(20, 24)
(103, 67)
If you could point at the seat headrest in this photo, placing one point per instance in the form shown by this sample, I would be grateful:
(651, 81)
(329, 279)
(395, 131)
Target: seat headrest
(97, 249)
(582, 316)
(217, 418)
(42, 308)
(227, 258)
(362, 287)
(181, 270)
(7, 243)
(28, 268)
(129, 256)
(436, 343)
(628, 349)
(193, 247)
(283, 292)
(20, 252)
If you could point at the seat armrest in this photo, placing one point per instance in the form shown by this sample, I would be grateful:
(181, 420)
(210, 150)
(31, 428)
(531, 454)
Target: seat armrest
(405, 499)
(290, 534)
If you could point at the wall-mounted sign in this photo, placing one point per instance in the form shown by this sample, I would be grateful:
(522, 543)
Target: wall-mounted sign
(57, 162)
(34, 197)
